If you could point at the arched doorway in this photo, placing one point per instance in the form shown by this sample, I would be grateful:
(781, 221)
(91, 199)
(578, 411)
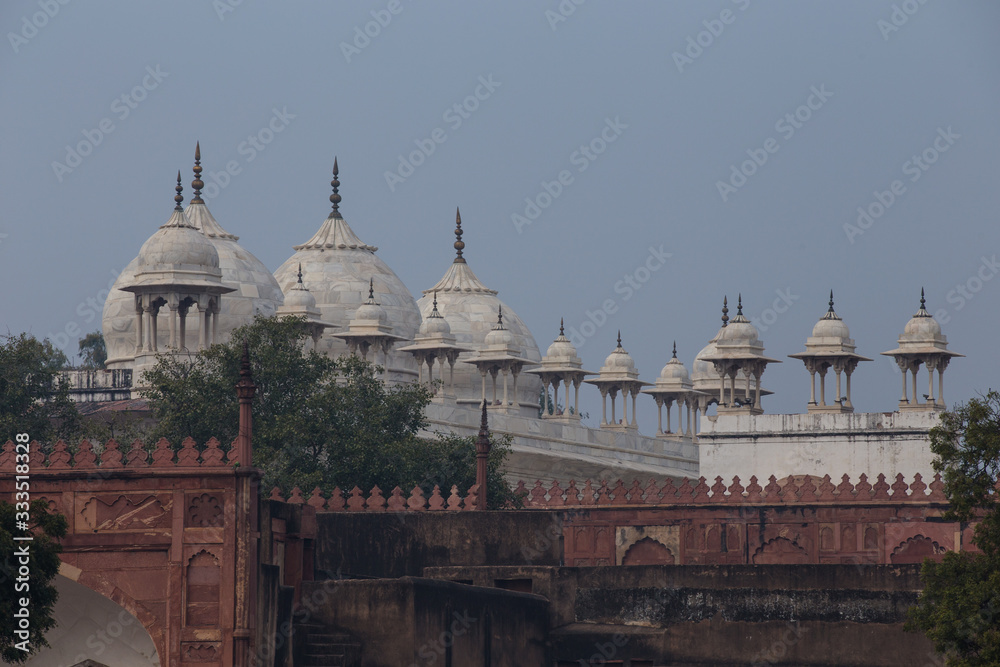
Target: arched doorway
(92, 627)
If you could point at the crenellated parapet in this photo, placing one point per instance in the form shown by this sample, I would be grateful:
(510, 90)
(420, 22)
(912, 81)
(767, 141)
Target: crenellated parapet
(112, 456)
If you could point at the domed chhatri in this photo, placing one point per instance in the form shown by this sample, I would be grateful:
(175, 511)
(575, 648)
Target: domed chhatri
(435, 342)
(830, 346)
(674, 384)
(339, 268)
(299, 302)
(177, 270)
(256, 291)
(370, 330)
(471, 308)
(561, 364)
(500, 356)
(738, 352)
(923, 343)
(618, 374)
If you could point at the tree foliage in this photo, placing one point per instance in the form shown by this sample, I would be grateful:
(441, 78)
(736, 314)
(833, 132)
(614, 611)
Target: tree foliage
(93, 352)
(34, 398)
(317, 421)
(43, 565)
(959, 608)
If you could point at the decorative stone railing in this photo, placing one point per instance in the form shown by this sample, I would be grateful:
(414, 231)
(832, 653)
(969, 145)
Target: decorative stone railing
(375, 501)
(113, 457)
(808, 491)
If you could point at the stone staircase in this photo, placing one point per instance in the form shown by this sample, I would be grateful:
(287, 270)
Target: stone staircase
(322, 647)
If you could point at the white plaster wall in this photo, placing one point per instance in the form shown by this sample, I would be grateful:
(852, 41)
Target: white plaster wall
(818, 444)
(90, 625)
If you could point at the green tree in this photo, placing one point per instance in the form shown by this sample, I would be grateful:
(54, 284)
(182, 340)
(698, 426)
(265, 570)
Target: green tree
(959, 608)
(34, 397)
(317, 421)
(93, 352)
(37, 587)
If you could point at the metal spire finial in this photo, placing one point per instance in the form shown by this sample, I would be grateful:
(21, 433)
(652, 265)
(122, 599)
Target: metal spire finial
(500, 316)
(371, 289)
(178, 198)
(335, 197)
(435, 300)
(725, 311)
(675, 350)
(619, 338)
(300, 273)
(561, 331)
(831, 302)
(739, 305)
(831, 314)
(459, 244)
(923, 306)
(197, 183)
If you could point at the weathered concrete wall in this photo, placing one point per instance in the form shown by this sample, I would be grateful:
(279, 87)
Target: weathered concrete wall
(391, 544)
(413, 621)
(723, 615)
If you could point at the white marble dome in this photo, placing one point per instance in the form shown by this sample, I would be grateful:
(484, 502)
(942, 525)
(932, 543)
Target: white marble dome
(674, 370)
(562, 350)
(257, 293)
(472, 308)
(619, 359)
(178, 245)
(435, 324)
(829, 327)
(338, 268)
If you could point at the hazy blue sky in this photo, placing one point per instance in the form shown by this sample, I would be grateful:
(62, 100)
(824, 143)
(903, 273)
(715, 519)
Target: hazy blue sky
(687, 91)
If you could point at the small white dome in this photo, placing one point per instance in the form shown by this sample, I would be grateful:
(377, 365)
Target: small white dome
(499, 335)
(371, 310)
(561, 349)
(674, 370)
(924, 325)
(619, 359)
(435, 324)
(178, 244)
(299, 298)
(831, 328)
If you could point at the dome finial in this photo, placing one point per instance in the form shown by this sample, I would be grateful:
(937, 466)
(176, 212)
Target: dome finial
(725, 311)
(178, 198)
(561, 331)
(831, 302)
(739, 305)
(459, 244)
(500, 316)
(300, 273)
(435, 301)
(923, 306)
(371, 289)
(619, 338)
(197, 183)
(335, 184)
(675, 350)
